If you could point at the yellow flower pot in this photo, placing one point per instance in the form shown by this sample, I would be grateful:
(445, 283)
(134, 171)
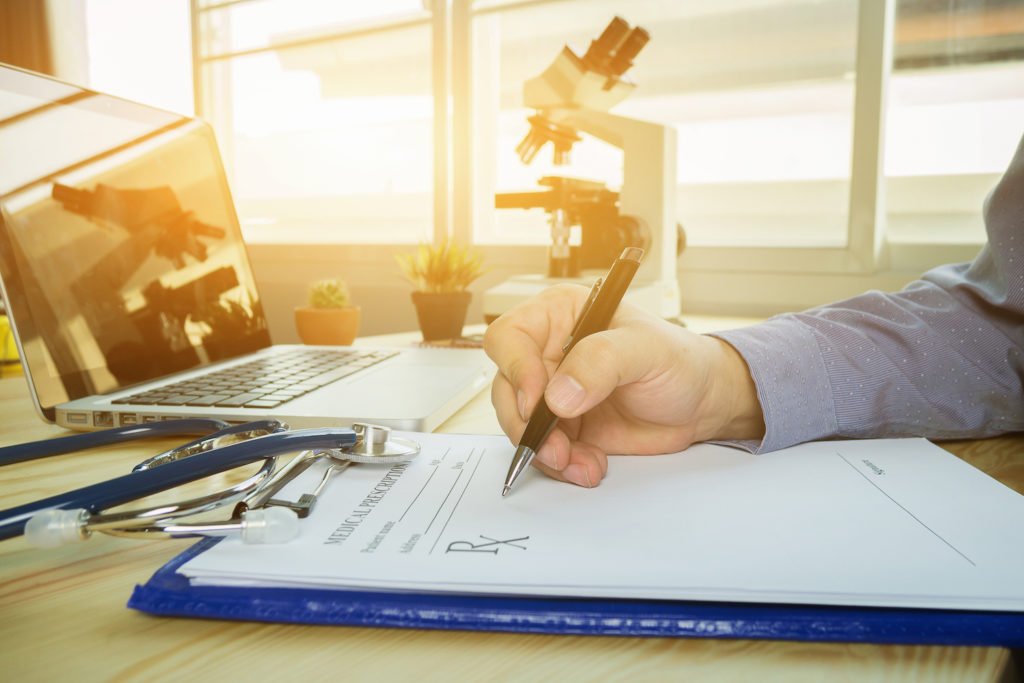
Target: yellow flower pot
(327, 326)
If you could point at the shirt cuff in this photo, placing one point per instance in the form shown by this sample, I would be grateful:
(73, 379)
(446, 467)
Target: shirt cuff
(792, 382)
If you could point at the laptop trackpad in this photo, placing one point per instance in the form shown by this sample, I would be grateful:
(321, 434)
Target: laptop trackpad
(406, 389)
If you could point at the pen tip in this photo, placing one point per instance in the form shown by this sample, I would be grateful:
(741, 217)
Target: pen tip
(504, 491)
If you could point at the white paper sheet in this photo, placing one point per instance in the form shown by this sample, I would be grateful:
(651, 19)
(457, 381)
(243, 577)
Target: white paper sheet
(884, 523)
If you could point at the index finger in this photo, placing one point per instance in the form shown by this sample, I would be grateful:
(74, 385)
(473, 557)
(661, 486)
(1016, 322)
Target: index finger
(525, 343)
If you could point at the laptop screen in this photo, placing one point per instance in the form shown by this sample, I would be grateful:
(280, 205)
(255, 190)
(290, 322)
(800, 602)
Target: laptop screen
(120, 251)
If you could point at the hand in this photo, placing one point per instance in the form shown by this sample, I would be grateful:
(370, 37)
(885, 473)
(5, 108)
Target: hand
(644, 386)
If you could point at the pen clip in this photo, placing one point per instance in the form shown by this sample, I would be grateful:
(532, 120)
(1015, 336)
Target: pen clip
(583, 314)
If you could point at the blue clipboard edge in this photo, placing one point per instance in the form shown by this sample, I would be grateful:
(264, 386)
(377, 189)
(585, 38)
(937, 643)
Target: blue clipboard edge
(168, 593)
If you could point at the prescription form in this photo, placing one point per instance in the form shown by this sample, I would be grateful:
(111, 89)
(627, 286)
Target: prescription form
(898, 523)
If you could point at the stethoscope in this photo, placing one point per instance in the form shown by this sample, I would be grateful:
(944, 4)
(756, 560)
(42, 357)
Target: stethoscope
(257, 516)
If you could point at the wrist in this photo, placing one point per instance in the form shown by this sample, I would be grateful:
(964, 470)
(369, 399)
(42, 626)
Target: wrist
(734, 408)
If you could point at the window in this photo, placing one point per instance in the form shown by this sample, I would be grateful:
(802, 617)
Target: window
(324, 111)
(956, 107)
(762, 97)
(809, 143)
(761, 103)
(139, 51)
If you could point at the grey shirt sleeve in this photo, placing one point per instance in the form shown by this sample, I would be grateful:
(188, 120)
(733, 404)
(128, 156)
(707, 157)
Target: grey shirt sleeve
(943, 358)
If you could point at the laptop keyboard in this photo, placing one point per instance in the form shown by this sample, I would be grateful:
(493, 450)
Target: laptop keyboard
(265, 382)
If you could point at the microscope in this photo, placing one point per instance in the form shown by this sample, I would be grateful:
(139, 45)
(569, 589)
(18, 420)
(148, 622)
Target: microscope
(591, 224)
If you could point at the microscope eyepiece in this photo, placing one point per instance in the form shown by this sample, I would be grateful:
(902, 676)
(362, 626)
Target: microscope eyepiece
(627, 50)
(600, 52)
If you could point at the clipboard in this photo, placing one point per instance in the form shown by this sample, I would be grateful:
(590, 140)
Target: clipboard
(169, 593)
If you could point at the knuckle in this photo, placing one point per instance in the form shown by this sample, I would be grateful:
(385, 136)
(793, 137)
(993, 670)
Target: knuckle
(508, 417)
(566, 291)
(491, 336)
(514, 369)
(600, 351)
(494, 332)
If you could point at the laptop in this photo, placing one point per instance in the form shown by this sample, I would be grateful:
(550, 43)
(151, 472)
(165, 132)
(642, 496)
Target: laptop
(131, 296)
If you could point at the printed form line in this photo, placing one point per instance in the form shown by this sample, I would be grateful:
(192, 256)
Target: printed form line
(447, 495)
(424, 487)
(454, 507)
(912, 515)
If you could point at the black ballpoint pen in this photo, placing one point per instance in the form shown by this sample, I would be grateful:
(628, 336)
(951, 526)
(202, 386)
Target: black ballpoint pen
(596, 314)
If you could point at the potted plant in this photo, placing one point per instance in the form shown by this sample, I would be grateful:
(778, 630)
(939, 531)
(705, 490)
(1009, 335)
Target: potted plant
(329, 318)
(441, 274)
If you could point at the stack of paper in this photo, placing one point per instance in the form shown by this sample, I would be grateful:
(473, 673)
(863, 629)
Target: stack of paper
(882, 523)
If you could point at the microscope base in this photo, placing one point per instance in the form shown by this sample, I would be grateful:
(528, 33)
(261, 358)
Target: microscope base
(658, 298)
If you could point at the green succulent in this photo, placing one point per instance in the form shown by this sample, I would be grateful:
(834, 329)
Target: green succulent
(329, 294)
(447, 267)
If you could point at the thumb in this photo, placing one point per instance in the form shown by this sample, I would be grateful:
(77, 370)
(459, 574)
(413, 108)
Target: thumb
(593, 369)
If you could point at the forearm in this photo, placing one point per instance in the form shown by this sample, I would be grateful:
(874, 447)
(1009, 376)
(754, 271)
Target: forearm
(915, 363)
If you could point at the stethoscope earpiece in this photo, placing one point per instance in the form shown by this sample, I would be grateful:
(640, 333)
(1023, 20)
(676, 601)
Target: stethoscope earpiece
(56, 527)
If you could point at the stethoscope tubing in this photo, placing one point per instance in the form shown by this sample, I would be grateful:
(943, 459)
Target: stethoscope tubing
(79, 442)
(143, 483)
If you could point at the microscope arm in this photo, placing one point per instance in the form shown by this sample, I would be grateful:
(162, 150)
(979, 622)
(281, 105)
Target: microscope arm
(649, 180)
(616, 130)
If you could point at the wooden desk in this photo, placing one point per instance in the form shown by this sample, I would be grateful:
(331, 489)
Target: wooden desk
(62, 613)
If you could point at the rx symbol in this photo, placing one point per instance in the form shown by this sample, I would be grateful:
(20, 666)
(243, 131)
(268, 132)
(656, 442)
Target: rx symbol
(492, 545)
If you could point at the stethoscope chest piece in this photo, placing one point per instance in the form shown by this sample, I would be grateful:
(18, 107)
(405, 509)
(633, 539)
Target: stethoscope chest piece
(375, 444)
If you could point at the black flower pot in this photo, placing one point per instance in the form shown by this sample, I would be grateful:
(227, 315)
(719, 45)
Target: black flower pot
(441, 314)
